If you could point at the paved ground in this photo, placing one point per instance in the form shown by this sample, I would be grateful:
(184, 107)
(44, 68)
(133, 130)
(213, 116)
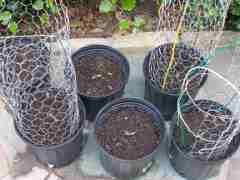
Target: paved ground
(16, 162)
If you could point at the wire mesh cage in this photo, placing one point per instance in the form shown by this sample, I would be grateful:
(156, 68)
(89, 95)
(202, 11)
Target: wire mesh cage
(32, 17)
(207, 124)
(198, 23)
(190, 30)
(186, 57)
(37, 77)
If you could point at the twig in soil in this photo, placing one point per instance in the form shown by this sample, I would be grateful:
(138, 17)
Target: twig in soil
(110, 87)
(128, 133)
(96, 76)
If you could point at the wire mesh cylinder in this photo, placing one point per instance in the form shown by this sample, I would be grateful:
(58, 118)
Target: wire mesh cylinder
(199, 23)
(207, 123)
(38, 80)
(186, 57)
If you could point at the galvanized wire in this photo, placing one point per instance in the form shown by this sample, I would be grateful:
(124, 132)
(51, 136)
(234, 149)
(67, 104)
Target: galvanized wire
(38, 80)
(217, 107)
(200, 27)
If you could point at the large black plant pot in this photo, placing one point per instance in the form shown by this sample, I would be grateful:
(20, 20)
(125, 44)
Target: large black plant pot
(61, 154)
(195, 169)
(123, 168)
(95, 103)
(166, 100)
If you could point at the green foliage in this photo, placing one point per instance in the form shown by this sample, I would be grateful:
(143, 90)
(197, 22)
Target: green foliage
(233, 22)
(136, 23)
(110, 5)
(235, 8)
(13, 11)
(107, 6)
(128, 5)
(124, 24)
(205, 12)
(12, 26)
(38, 5)
(5, 17)
(44, 18)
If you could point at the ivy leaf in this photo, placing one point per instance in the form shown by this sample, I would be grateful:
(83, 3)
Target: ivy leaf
(12, 26)
(51, 6)
(44, 18)
(49, 3)
(124, 24)
(138, 22)
(114, 2)
(38, 5)
(54, 9)
(128, 5)
(106, 6)
(5, 17)
(2, 3)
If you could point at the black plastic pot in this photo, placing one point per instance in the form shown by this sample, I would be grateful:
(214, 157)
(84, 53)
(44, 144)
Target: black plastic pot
(94, 104)
(165, 101)
(62, 154)
(196, 169)
(128, 169)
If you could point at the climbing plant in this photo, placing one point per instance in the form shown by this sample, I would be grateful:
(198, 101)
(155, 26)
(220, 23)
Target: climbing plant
(13, 13)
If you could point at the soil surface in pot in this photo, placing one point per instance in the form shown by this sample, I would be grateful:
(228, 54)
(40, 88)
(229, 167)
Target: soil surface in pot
(128, 133)
(98, 75)
(185, 58)
(210, 126)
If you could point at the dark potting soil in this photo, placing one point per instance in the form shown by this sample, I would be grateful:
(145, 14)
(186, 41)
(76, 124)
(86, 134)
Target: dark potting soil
(98, 75)
(46, 117)
(209, 126)
(128, 133)
(185, 59)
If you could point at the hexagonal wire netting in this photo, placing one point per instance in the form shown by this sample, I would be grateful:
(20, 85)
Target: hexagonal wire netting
(190, 30)
(37, 77)
(208, 123)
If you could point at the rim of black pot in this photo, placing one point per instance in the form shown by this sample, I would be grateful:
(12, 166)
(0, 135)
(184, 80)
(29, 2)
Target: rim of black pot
(204, 161)
(145, 70)
(52, 147)
(136, 101)
(92, 49)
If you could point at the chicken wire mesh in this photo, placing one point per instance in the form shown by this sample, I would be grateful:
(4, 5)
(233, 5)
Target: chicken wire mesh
(208, 123)
(198, 24)
(38, 80)
(28, 17)
(186, 57)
